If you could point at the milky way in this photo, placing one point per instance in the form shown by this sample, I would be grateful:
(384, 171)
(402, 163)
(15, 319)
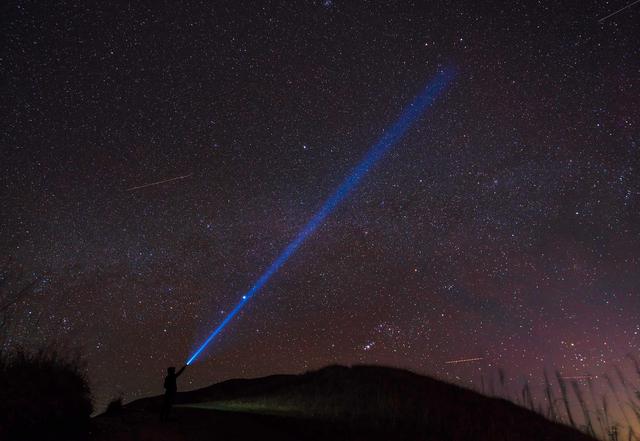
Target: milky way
(505, 230)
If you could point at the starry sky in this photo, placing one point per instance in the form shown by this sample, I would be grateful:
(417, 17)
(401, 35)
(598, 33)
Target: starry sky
(504, 227)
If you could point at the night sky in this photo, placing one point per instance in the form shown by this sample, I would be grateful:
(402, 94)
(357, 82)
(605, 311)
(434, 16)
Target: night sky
(505, 226)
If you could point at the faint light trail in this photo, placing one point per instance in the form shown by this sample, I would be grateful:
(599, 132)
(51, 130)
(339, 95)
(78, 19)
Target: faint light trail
(388, 139)
(464, 360)
(159, 182)
(618, 11)
(580, 377)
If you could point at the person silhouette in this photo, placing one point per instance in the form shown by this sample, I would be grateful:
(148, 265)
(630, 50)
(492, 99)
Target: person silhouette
(171, 388)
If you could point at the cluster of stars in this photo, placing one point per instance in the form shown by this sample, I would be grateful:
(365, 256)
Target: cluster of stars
(505, 228)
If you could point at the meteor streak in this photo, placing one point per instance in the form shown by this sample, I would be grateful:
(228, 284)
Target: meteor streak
(580, 377)
(618, 11)
(388, 139)
(464, 360)
(159, 182)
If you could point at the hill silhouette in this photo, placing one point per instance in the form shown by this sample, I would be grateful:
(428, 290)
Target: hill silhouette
(337, 402)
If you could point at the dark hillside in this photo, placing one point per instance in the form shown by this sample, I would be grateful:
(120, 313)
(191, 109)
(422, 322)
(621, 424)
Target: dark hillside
(337, 402)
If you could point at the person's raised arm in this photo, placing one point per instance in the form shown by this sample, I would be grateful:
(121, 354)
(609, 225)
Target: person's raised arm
(181, 370)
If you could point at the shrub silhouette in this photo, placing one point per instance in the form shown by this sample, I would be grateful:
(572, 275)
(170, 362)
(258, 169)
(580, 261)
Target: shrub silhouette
(44, 396)
(114, 407)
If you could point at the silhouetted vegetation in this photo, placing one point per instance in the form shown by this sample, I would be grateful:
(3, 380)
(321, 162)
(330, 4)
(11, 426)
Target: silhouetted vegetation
(606, 407)
(115, 406)
(44, 396)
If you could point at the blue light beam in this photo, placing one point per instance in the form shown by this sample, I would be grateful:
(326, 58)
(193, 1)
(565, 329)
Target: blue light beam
(388, 139)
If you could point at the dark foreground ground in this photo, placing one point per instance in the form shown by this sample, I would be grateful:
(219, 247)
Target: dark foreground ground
(335, 403)
(201, 424)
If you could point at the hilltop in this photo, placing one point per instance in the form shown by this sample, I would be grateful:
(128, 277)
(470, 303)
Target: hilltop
(337, 402)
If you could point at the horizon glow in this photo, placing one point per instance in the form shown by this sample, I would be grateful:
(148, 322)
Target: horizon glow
(390, 137)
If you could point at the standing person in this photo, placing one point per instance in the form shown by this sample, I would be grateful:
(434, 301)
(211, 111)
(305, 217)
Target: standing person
(171, 388)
